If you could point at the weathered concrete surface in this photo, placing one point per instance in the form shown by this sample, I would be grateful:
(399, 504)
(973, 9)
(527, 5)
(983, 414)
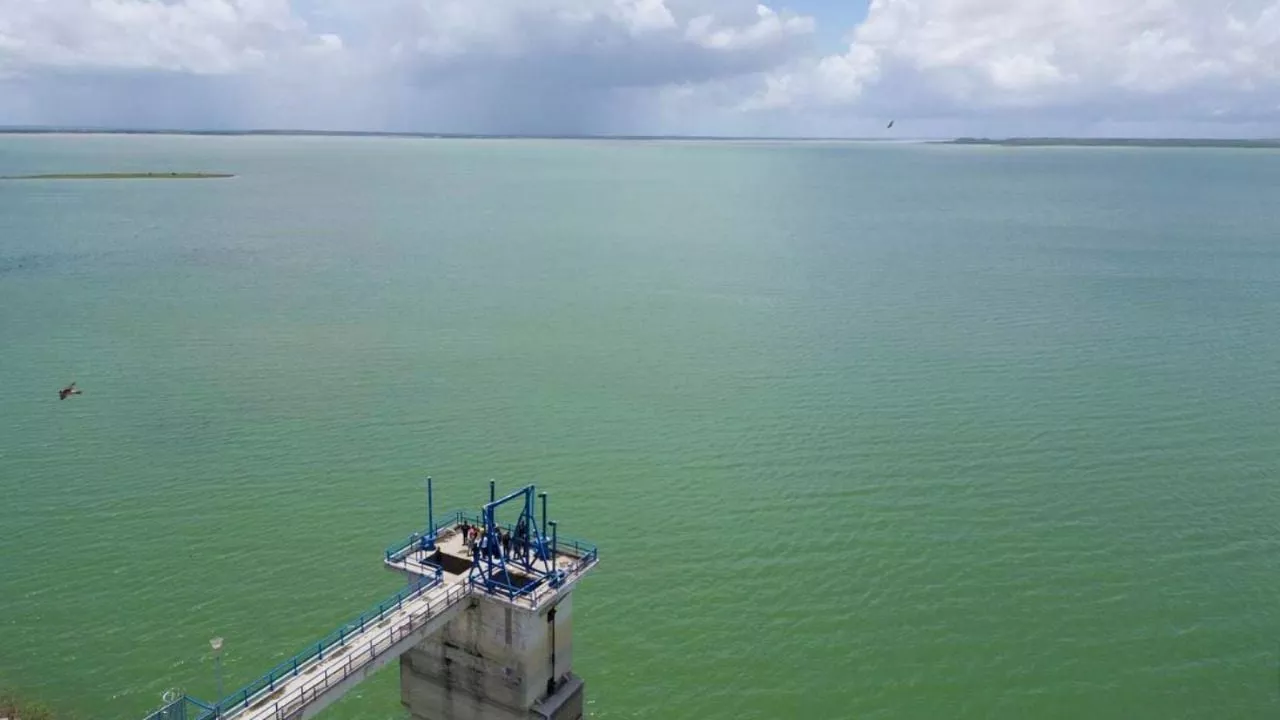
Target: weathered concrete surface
(491, 662)
(565, 704)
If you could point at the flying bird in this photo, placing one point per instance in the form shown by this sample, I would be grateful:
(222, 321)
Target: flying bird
(68, 391)
(890, 125)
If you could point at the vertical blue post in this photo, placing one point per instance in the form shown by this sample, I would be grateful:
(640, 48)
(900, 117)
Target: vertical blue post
(431, 518)
(492, 491)
(554, 541)
(544, 514)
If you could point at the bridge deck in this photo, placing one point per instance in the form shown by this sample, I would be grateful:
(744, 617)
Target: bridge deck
(325, 679)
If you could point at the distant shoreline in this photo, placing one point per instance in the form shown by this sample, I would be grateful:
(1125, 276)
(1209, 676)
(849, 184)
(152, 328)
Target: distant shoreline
(1267, 143)
(1117, 142)
(121, 176)
(434, 135)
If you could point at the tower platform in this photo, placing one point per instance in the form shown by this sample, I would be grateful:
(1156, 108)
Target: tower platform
(482, 629)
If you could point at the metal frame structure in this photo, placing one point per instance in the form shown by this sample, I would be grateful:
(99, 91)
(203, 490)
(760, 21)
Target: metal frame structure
(526, 552)
(180, 707)
(531, 553)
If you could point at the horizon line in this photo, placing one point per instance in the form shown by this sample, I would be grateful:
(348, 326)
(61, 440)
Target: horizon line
(87, 130)
(1017, 139)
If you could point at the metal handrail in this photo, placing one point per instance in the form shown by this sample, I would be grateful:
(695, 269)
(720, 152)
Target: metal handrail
(363, 652)
(533, 593)
(581, 548)
(397, 550)
(246, 695)
(177, 709)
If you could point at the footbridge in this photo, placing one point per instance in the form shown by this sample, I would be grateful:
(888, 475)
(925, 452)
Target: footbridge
(481, 630)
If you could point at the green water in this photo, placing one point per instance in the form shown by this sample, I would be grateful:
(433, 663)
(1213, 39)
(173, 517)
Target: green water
(862, 431)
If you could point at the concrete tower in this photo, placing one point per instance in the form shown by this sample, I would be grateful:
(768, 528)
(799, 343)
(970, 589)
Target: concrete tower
(483, 631)
(508, 653)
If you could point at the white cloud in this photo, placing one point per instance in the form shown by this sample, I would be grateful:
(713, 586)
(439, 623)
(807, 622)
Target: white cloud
(1125, 57)
(195, 36)
(630, 65)
(420, 64)
(230, 36)
(676, 39)
(768, 29)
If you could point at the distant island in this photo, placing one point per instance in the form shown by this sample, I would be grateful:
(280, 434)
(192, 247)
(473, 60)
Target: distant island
(1117, 142)
(121, 176)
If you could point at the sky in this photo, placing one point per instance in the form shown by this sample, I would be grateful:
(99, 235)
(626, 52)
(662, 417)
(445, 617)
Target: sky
(830, 68)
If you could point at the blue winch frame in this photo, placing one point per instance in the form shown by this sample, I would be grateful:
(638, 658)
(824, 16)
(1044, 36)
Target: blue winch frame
(527, 551)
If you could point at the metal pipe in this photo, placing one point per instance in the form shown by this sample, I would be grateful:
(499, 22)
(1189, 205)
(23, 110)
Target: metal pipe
(551, 681)
(492, 491)
(554, 542)
(431, 517)
(543, 495)
(510, 496)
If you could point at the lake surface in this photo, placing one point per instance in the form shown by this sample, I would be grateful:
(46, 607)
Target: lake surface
(862, 431)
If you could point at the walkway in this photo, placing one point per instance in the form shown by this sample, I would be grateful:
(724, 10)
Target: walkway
(308, 682)
(328, 676)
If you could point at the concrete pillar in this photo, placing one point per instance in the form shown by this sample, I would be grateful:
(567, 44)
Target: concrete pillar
(493, 662)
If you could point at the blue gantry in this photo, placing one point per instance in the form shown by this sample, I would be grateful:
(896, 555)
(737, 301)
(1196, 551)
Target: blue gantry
(515, 559)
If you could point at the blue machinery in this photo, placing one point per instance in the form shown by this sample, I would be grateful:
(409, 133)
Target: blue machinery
(515, 560)
(509, 561)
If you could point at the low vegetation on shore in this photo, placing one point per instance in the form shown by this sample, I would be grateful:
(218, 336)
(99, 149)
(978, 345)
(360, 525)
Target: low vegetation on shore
(1118, 142)
(121, 176)
(14, 708)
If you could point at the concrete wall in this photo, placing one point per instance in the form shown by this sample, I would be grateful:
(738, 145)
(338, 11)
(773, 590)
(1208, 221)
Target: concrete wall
(565, 704)
(491, 662)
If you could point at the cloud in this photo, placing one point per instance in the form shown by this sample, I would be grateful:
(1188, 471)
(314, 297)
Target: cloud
(635, 66)
(1137, 59)
(195, 36)
(453, 65)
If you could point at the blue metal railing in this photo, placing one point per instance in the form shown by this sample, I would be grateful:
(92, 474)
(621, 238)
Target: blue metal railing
(356, 657)
(337, 638)
(180, 709)
(585, 551)
(400, 548)
(397, 550)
